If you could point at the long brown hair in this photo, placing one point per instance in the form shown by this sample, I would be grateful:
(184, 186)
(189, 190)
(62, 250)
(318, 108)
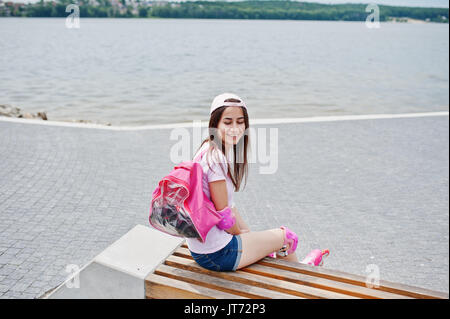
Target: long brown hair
(240, 149)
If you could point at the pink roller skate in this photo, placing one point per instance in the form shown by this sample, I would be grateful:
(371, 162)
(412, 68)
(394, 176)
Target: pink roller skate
(290, 240)
(316, 257)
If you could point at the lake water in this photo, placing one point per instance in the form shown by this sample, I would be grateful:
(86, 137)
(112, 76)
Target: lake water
(154, 71)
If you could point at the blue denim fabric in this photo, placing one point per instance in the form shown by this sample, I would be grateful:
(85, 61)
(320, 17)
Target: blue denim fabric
(226, 259)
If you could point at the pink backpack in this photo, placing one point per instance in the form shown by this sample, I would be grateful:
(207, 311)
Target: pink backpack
(179, 207)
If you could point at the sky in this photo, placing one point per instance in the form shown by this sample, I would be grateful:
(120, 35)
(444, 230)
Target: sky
(408, 3)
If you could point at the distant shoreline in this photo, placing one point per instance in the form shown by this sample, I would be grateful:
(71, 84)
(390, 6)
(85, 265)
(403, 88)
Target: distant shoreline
(408, 20)
(391, 20)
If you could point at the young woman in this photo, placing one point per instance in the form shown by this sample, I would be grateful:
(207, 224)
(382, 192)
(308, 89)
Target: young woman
(231, 245)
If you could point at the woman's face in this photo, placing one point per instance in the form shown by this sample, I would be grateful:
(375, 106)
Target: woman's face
(231, 126)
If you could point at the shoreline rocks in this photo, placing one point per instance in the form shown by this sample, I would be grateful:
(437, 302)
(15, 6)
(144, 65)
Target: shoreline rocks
(12, 111)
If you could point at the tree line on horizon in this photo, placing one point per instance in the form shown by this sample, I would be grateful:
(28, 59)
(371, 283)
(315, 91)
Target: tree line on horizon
(281, 9)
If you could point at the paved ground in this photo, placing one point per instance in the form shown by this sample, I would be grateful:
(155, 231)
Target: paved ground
(375, 192)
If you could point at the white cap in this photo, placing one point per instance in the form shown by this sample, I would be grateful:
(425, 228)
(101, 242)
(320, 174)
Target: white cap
(219, 101)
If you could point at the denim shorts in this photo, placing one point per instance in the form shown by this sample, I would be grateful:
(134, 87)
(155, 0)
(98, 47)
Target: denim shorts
(225, 259)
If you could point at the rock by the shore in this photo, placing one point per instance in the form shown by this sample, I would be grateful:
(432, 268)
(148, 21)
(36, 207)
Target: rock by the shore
(8, 110)
(12, 111)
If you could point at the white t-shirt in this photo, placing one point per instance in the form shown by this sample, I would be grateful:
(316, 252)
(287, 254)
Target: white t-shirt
(216, 238)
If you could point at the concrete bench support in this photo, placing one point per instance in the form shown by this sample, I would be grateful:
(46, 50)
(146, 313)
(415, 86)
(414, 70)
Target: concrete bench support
(120, 270)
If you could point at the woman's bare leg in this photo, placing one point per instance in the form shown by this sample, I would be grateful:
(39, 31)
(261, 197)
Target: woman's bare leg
(257, 245)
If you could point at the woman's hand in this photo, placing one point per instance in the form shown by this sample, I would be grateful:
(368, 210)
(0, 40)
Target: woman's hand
(242, 225)
(239, 224)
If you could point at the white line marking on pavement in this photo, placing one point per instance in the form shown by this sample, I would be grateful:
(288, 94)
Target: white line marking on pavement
(204, 123)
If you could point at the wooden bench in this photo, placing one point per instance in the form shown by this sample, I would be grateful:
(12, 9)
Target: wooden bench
(179, 276)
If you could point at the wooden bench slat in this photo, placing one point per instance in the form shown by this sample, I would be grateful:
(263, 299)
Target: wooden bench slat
(256, 280)
(217, 283)
(160, 287)
(321, 283)
(395, 288)
(182, 252)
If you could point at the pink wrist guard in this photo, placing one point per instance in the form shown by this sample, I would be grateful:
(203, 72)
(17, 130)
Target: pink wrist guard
(227, 220)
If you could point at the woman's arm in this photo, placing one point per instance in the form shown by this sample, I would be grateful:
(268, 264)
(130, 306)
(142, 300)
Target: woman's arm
(219, 197)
